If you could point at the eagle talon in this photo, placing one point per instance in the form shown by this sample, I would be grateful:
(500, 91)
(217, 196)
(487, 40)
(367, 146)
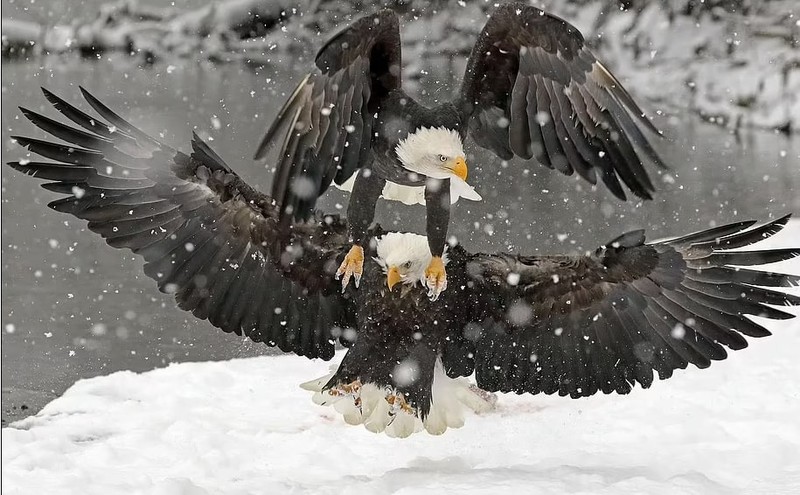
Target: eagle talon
(352, 266)
(352, 389)
(435, 278)
(397, 402)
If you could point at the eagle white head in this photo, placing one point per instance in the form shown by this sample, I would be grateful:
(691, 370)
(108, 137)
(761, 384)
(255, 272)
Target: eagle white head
(438, 152)
(433, 152)
(404, 257)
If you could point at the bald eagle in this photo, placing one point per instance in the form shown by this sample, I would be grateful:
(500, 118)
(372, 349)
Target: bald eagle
(572, 325)
(531, 89)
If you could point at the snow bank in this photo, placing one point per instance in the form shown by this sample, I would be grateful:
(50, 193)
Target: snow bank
(213, 32)
(735, 66)
(245, 427)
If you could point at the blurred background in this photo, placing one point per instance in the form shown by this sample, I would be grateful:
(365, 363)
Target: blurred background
(720, 78)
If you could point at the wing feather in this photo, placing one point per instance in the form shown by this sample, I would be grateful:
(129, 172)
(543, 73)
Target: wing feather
(546, 122)
(578, 325)
(328, 119)
(206, 236)
(520, 128)
(526, 61)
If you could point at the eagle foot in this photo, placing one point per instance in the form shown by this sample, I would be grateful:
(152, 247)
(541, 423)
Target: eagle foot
(397, 402)
(435, 278)
(353, 389)
(352, 266)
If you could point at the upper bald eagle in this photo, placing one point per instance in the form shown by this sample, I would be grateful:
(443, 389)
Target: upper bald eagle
(531, 89)
(575, 325)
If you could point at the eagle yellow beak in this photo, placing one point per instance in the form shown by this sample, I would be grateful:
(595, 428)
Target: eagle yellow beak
(392, 277)
(460, 168)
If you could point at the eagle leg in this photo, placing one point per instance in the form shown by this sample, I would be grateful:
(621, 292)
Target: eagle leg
(435, 278)
(352, 266)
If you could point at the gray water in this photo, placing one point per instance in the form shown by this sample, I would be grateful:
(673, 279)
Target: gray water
(72, 307)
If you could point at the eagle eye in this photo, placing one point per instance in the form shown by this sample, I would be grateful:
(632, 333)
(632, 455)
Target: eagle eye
(407, 264)
(442, 158)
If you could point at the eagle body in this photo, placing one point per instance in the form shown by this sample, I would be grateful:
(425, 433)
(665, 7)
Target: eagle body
(400, 116)
(532, 89)
(406, 347)
(398, 328)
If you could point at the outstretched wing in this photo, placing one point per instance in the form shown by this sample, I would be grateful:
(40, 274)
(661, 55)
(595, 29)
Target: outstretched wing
(206, 235)
(533, 89)
(583, 324)
(327, 122)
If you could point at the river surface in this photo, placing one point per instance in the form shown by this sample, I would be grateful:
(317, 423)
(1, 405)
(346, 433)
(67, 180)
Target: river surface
(72, 307)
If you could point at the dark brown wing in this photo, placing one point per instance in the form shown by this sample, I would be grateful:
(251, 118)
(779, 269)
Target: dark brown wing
(326, 125)
(533, 89)
(206, 235)
(583, 324)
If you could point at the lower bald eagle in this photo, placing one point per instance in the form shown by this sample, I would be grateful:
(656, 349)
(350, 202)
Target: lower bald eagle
(572, 325)
(531, 89)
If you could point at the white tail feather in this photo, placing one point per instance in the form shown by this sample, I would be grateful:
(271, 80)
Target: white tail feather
(450, 399)
(317, 384)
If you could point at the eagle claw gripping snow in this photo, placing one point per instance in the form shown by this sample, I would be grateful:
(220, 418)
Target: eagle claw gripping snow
(384, 408)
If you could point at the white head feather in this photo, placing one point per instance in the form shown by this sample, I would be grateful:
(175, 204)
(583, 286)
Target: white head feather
(409, 253)
(420, 152)
(426, 143)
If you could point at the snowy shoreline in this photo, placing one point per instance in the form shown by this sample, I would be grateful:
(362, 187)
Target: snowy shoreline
(734, 69)
(244, 426)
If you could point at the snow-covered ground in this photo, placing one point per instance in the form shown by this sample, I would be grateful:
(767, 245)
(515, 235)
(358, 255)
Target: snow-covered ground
(244, 426)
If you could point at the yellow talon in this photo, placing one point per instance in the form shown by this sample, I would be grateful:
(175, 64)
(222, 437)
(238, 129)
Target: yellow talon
(352, 266)
(435, 278)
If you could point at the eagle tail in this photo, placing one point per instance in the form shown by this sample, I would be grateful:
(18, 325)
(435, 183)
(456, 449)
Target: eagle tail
(383, 408)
